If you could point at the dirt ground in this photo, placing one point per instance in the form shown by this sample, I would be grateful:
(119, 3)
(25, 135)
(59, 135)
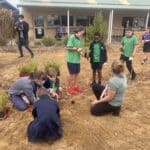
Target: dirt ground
(81, 131)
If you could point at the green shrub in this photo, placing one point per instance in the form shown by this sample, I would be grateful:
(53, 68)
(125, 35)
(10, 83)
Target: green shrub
(65, 40)
(48, 41)
(38, 43)
(99, 25)
(3, 101)
(28, 68)
(53, 64)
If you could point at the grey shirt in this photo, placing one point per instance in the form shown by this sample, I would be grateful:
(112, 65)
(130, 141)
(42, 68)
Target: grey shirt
(117, 84)
(23, 85)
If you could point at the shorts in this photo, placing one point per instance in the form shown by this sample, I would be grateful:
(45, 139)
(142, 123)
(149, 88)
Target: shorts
(97, 66)
(73, 68)
(146, 47)
(124, 58)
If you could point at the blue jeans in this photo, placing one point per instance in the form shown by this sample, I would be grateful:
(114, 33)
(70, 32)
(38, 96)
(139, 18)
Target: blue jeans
(18, 102)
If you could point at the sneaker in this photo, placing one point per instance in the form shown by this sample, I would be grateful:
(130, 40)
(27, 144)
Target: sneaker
(71, 90)
(78, 89)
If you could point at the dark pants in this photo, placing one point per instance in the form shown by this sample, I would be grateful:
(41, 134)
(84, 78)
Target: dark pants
(129, 65)
(24, 43)
(97, 68)
(102, 108)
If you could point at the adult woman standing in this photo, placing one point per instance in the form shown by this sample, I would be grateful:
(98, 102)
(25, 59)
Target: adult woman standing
(110, 98)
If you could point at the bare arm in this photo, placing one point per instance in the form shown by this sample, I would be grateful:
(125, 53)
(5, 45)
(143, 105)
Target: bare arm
(106, 98)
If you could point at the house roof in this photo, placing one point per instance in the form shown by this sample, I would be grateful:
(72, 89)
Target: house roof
(6, 4)
(102, 4)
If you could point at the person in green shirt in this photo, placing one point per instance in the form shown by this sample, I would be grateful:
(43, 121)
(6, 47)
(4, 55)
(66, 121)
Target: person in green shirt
(74, 47)
(98, 56)
(128, 50)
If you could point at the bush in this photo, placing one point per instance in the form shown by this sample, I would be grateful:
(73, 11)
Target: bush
(99, 25)
(3, 101)
(65, 40)
(38, 43)
(28, 68)
(53, 64)
(6, 26)
(48, 41)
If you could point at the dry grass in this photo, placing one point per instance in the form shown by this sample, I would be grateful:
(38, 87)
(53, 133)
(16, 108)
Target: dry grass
(81, 131)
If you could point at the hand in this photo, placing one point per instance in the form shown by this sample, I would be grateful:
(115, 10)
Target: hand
(79, 49)
(55, 95)
(94, 102)
(131, 58)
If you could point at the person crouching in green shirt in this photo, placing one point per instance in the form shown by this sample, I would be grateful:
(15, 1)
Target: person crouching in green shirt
(98, 56)
(74, 47)
(128, 50)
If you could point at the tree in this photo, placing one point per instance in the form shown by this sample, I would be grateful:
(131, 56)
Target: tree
(99, 25)
(6, 26)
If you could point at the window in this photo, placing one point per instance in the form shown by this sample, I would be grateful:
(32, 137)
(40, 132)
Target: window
(82, 20)
(138, 22)
(135, 22)
(127, 22)
(53, 20)
(39, 21)
(64, 20)
(91, 18)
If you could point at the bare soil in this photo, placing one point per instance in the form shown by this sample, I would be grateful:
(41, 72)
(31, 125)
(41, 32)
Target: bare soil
(81, 131)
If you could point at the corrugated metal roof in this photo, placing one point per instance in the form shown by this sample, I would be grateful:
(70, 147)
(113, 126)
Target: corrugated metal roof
(107, 4)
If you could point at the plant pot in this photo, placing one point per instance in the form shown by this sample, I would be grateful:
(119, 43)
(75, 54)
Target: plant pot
(23, 74)
(1, 114)
(4, 113)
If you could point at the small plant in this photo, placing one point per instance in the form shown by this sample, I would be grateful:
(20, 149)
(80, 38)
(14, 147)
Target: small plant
(99, 25)
(26, 69)
(38, 43)
(3, 101)
(54, 65)
(48, 41)
(65, 40)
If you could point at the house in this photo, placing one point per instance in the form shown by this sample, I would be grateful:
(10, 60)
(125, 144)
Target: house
(44, 15)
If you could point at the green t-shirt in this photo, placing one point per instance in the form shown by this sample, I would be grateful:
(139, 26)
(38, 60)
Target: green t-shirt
(117, 84)
(73, 56)
(96, 53)
(128, 45)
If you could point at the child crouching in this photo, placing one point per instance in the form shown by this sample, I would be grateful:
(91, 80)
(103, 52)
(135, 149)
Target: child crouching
(52, 83)
(46, 125)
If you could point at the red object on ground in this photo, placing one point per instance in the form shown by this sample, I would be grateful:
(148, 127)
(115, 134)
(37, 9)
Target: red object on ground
(78, 89)
(23, 75)
(71, 90)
